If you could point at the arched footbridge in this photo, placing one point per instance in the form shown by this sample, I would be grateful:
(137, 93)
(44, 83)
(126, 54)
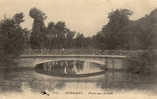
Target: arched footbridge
(111, 61)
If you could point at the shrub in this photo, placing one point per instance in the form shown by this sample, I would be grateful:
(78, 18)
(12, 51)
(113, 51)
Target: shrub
(143, 62)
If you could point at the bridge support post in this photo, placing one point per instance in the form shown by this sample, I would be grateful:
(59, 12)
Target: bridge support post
(113, 68)
(106, 63)
(113, 64)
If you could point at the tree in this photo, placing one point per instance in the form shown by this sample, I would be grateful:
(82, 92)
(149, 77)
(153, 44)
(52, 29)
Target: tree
(80, 41)
(11, 37)
(69, 38)
(60, 29)
(61, 33)
(59, 36)
(141, 33)
(18, 18)
(51, 35)
(38, 28)
(27, 35)
(147, 32)
(112, 35)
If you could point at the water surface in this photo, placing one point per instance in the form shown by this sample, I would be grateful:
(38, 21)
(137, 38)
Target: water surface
(19, 80)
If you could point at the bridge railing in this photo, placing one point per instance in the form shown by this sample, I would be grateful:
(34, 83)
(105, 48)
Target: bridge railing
(78, 52)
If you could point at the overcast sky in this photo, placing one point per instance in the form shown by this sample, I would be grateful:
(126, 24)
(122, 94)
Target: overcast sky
(85, 16)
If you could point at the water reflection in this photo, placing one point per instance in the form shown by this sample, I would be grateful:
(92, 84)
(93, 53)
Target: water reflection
(122, 80)
(19, 80)
(70, 68)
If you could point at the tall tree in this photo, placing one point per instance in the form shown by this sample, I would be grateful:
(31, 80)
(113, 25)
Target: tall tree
(61, 33)
(38, 29)
(112, 36)
(69, 38)
(80, 41)
(51, 35)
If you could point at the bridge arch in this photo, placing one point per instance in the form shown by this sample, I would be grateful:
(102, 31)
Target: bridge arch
(82, 59)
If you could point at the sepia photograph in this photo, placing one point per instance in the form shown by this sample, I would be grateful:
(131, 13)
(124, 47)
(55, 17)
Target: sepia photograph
(78, 49)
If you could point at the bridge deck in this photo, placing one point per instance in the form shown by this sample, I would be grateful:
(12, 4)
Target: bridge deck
(75, 56)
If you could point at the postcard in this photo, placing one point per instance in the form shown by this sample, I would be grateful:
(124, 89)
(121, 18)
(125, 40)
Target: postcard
(78, 49)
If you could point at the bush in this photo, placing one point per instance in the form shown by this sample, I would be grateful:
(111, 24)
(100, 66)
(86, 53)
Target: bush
(143, 62)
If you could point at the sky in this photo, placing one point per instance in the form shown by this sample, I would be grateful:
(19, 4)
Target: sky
(84, 16)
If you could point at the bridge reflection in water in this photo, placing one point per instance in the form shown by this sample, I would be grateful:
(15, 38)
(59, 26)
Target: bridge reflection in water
(70, 68)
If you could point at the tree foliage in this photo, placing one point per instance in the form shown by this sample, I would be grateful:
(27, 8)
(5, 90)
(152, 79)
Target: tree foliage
(11, 37)
(123, 33)
(38, 28)
(54, 36)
